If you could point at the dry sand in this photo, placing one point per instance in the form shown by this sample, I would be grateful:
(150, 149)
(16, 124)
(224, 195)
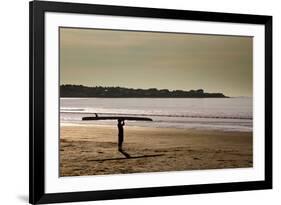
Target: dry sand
(92, 150)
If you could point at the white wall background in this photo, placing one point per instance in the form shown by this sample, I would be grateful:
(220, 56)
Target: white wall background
(14, 44)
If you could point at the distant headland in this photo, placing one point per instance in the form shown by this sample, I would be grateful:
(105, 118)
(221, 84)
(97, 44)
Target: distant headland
(81, 91)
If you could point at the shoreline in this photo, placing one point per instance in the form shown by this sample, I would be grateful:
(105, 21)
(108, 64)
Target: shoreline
(75, 124)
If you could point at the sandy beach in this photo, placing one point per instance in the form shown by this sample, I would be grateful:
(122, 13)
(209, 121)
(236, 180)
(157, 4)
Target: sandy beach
(92, 150)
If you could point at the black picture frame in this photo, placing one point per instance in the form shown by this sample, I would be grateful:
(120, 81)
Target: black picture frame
(37, 194)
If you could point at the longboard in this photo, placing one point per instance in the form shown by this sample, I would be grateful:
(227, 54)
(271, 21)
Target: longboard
(118, 118)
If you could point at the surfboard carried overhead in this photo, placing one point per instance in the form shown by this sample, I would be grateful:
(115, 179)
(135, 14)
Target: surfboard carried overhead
(118, 118)
(120, 125)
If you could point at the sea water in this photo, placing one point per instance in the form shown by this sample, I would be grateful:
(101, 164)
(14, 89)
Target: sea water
(227, 114)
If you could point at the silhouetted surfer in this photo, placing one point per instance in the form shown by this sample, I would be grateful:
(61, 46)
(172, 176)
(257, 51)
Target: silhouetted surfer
(120, 125)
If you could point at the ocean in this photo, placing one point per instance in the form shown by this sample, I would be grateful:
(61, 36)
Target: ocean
(226, 114)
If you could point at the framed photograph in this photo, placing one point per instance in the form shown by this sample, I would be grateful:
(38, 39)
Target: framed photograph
(130, 102)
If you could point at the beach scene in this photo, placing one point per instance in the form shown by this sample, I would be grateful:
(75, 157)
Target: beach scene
(140, 102)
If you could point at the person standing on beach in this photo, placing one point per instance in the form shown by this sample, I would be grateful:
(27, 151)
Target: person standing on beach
(120, 125)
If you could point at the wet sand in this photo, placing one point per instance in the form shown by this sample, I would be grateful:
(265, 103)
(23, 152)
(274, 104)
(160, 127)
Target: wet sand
(92, 150)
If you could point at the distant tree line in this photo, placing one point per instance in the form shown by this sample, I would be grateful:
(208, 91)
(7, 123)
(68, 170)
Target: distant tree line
(121, 92)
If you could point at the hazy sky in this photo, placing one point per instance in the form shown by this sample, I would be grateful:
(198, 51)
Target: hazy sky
(171, 61)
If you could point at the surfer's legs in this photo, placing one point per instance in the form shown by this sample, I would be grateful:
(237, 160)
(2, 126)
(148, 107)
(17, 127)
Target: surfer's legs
(120, 138)
(120, 142)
